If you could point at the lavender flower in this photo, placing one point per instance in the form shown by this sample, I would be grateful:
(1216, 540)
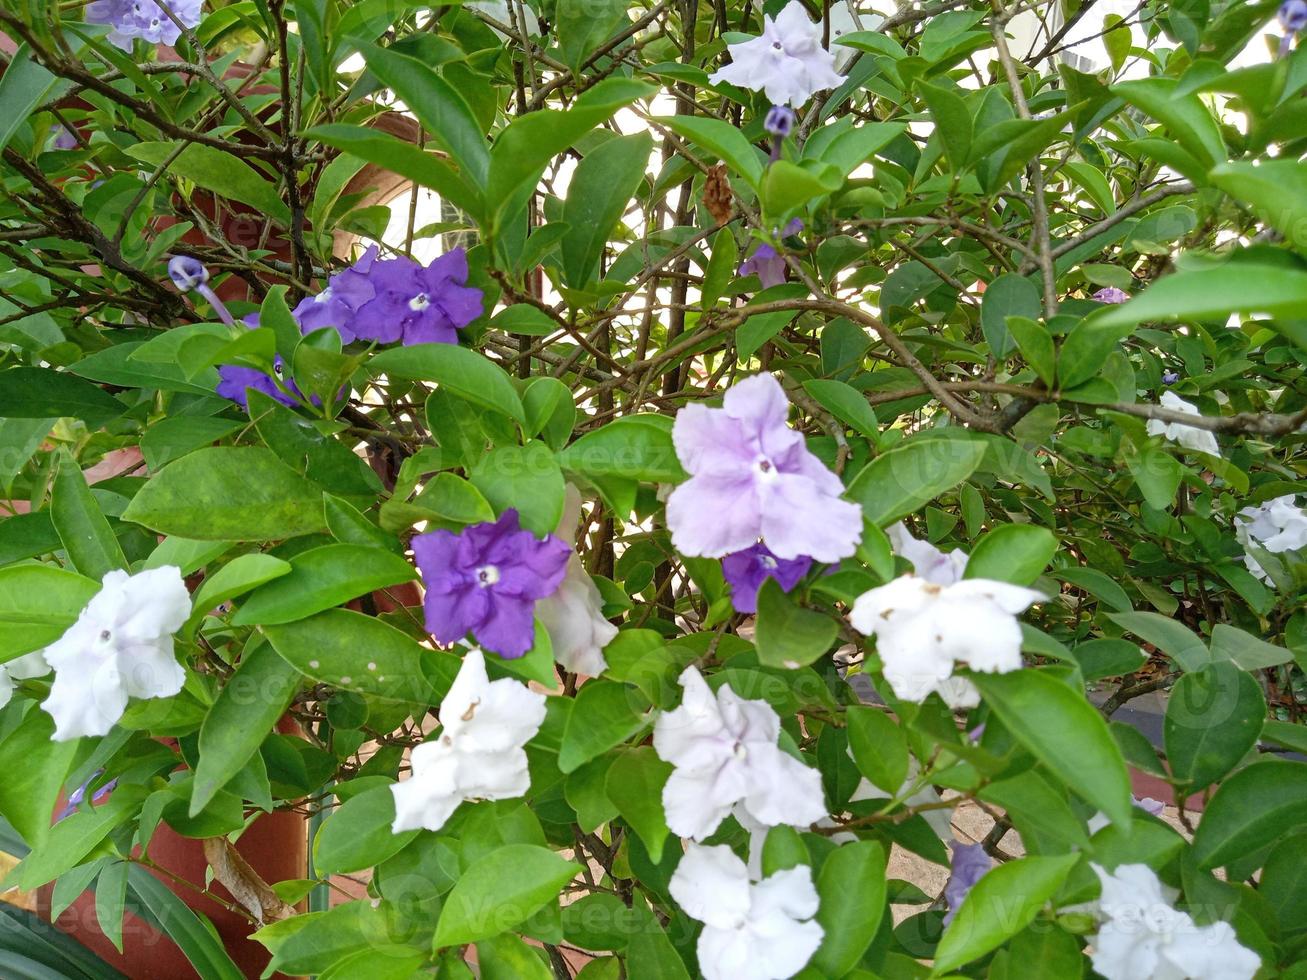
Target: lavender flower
(235, 381)
(970, 863)
(1110, 294)
(76, 797)
(64, 138)
(787, 61)
(780, 120)
(746, 571)
(146, 19)
(1292, 16)
(1170, 377)
(752, 477)
(768, 264)
(486, 580)
(189, 273)
(416, 304)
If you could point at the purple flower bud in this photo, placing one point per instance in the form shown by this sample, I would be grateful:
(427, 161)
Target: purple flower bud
(970, 863)
(1292, 15)
(187, 272)
(781, 118)
(1170, 377)
(1110, 294)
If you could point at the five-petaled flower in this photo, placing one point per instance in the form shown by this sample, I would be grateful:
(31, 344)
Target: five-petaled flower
(486, 580)
(757, 930)
(1276, 526)
(1189, 436)
(418, 304)
(478, 754)
(120, 647)
(787, 61)
(1144, 937)
(146, 19)
(725, 754)
(923, 631)
(752, 477)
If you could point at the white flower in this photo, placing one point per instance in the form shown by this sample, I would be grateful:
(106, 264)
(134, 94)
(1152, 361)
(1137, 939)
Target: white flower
(1276, 526)
(500, 10)
(479, 753)
(18, 669)
(1199, 440)
(924, 630)
(787, 61)
(761, 931)
(574, 618)
(725, 753)
(844, 20)
(939, 819)
(1144, 937)
(929, 562)
(120, 647)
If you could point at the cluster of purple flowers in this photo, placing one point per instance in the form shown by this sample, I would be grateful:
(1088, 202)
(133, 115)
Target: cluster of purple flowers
(146, 19)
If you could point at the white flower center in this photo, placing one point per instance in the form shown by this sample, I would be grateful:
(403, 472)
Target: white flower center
(767, 562)
(487, 575)
(740, 752)
(765, 467)
(419, 302)
(324, 296)
(105, 636)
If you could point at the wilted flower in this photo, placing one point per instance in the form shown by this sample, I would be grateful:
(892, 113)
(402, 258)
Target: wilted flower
(1110, 294)
(928, 561)
(725, 753)
(752, 477)
(146, 19)
(1144, 937)
(418, 304)
(746, 571)
(923, 631)
(1276, 526)
(120, 647)
(573, 616)
(479, 752)
(969, 864)
(760, 931)
(486, 581)
(787, 62)
(1189, 436)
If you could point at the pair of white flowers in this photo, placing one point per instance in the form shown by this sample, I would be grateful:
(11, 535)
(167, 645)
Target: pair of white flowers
(1276, 526)
(120, 647)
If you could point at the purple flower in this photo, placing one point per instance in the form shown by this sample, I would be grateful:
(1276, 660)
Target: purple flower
(76, 797)
(416, 304)
(338, 303)
(64, 138)
(970, 863)
(746, 571)
(768, 265)
(1293, 18)
(780, 120)
(486, 580)
(234, 381)
(1110, 294)
(1170, 377)
(752, 477)
(146, 19)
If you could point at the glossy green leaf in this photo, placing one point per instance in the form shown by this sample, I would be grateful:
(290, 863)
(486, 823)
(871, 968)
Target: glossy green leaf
(321, 578)
(499, 891)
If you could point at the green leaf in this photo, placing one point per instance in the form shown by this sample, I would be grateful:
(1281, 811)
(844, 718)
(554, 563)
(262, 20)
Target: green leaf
(76, 836)
(359, 653)
(24, 86)
(1157, 473)
(787, 188)
(238, 576)
(1036, 345)
(87, 538)
(1086, 348)
(1008, 295)
(321, 578)
(195, 936)
(638, 447)
(722, 140)
(42, 393)
(1213, 719)
(906, 478)
(507, 957)
(215, 170)
(1250, 809)
(788, 635)
(527, 478)
(582, 26)
(1061, 729)
(1276, 189)
(604, 714)
(999, 906)
(1016, 553)
(245, 712)
(36, 767)
(357, 834)
(110, 898)
(1245, 650)
(851, 886)
(1117, 39)
(500, 890)
(1213, 293)
(1185, 115)
(846, 403)
(37, 604)
(443, 112)
(635, 786)
(1169, 636)
(1283, 883)
(880, 747)
(464, 372)
(952, 121)
(601, 187)
(782, 849)
(228, 493)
